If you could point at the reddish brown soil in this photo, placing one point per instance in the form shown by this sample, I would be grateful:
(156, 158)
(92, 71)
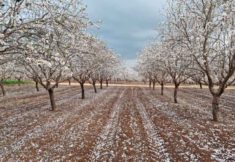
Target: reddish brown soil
(117, 124)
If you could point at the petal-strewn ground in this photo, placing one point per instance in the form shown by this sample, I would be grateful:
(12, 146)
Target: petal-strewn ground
(116, 124)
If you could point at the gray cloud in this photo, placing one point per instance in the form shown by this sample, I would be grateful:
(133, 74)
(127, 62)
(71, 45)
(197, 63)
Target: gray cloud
(126, 25)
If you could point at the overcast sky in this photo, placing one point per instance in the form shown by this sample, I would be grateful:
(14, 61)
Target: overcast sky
(127, 25)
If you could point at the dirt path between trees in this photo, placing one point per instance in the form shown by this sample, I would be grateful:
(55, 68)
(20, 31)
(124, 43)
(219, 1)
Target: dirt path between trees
(117, 124)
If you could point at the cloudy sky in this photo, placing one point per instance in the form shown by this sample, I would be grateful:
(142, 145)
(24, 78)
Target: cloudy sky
(127, 25)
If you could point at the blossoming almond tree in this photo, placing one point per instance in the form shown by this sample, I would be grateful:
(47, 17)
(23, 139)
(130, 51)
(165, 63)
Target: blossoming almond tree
(47, 52)
(16, 19)
(81, 61)
(6, 72)
(98, 47)
(148, 65)
(110, 63)
(163, 59)
(154, 64)
(143, 72)
(161, 74)
(91, 59)
(206, 29)
(178, 66)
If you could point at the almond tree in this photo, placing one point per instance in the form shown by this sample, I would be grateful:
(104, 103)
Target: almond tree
(109, 66)
(206, 29)
(97, 62)
(6, 72)
(161, 70)
(166, 58)
(145, 64)
(19, 74)
(48, 50)
(80, 67)
(91, 60)
(152, 65)
(177, 65)
(81, 62)
(198, 77)
(15, 23)
(23, 67)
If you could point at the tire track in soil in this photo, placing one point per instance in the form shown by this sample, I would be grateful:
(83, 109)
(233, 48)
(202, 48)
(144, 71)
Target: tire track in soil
(104, 150)
(131, 142)
(136, 127)
(127, 137)
(203, 138)
(47, 121)
(89, 132)
(179, 147)
(157, 144)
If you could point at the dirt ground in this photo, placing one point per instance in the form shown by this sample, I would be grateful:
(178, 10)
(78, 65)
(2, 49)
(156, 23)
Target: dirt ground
(116, 124)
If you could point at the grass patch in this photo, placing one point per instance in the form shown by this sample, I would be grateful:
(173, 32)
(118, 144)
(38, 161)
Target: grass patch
(13, 82)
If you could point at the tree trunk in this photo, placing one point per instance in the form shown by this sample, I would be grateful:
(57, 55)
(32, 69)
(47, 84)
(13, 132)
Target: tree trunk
(19, 80)
(94, 86)
(101, 84)
(150, 84)
(200, 85)
(215, 107)
(69, 81)
(175, 93)
(83, 90)
(3, 89)
(107, 83)
(36, 86)
(154, 83)
(162, 88)
(52, 99)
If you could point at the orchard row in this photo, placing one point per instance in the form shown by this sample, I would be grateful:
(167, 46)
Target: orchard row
(47, 42)
(196, 44)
